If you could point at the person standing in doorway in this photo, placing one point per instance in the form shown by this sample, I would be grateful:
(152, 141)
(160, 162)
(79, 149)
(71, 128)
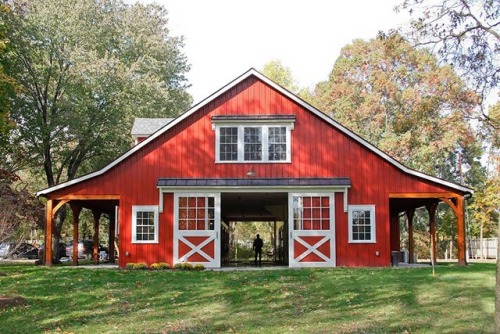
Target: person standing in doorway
(257, 247)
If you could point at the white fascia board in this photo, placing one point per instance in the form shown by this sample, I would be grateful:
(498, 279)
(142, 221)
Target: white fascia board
(283, 91)
(255, 189)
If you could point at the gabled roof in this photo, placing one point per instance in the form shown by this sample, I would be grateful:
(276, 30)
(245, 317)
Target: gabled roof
(144, 127)
(281, 90)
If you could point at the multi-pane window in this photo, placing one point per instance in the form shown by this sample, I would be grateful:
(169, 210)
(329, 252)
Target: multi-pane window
(253, 143)
(144, 224)
(196, 213)
(311, 212)
(228, 144)
(277, 143)
(361, 223)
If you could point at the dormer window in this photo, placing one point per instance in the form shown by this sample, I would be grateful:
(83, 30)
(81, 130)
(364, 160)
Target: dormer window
(258, 138)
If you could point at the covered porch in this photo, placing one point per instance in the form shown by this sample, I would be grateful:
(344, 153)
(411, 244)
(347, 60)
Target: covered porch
(101, 206)
(406, 204)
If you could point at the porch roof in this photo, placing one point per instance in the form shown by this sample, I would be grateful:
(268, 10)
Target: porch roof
(255, 182)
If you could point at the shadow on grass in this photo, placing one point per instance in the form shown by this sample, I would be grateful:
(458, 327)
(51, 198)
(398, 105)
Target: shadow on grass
(458, 299)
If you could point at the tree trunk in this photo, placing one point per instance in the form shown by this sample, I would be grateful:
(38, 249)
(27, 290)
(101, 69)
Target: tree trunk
(497, 286)
(481, 247)
(56, 240)
(451, 249)
(232, 244)
(272, 236)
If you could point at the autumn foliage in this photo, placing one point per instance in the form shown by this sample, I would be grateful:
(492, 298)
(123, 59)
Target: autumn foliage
(20, 211)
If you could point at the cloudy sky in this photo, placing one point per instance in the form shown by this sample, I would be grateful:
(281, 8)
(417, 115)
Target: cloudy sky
(225, 38)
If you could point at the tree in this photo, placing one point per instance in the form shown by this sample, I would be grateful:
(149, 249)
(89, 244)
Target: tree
(280, 74)
(20, 211)
(464, 33)
(485, 205)
(401, 100)
(492, 128)
(7, 88)
(85, 89)
(80, 91)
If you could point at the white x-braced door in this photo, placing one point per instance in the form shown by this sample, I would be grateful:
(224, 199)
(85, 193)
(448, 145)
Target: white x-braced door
(197, 229)
(311, 222)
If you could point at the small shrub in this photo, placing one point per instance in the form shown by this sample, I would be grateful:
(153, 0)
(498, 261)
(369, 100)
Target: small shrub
(160, 266)
(164, 266)
(199, 267)
(184, 266)
(187, 266)
(130, 265)
(140, 265)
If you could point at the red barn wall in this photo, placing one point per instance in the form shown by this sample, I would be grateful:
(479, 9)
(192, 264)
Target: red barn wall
(318, 150)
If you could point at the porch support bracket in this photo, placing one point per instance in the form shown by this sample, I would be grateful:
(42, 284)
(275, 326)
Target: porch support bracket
(59, 205)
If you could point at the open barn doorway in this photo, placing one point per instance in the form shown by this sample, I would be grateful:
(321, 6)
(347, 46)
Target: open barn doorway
(243, 216)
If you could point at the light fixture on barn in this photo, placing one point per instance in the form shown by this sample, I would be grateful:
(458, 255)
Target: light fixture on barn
(251, 173)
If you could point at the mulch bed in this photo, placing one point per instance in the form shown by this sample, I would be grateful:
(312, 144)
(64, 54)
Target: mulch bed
(6, 301)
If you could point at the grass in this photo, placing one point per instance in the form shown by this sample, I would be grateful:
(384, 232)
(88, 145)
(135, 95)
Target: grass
(340, 300)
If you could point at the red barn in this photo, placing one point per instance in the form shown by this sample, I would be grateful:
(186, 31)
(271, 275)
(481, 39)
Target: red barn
(253, 151)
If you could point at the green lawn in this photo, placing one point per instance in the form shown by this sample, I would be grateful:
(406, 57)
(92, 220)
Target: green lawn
(341, 300)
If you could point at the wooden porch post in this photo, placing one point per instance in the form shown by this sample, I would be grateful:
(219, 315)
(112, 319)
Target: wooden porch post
(457, 205)
(76, 222)
(95, 253)
(461, 231)
(431, 209)
(111, 240)
(48, 232)
(409, 214)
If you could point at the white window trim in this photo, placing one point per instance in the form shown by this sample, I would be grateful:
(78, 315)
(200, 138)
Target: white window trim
(373, 224)
(331, 208)
(178, 195)
(141, 208)
(265, 140)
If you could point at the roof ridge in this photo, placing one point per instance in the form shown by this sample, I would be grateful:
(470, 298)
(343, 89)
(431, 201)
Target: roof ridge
(281, 90)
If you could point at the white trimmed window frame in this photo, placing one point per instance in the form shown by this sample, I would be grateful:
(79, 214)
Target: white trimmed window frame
(288, 125)
(300, 207)
(371, 208)
(205, 220)
(144, 208)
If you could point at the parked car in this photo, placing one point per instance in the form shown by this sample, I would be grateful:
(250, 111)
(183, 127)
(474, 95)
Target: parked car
(62, 250)
(23, 250)
(85, 249)
(4, 249)
(28, 251)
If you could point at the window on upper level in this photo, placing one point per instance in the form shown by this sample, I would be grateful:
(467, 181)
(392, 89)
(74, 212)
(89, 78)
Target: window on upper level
(260, 138)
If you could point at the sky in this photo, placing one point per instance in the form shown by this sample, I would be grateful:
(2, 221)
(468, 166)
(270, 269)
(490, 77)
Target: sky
(224, 38)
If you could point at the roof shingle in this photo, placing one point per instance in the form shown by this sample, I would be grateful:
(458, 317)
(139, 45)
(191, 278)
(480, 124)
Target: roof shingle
(148, 126)
(253, 182)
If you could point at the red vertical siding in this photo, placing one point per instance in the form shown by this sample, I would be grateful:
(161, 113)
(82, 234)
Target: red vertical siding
(318, 150)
